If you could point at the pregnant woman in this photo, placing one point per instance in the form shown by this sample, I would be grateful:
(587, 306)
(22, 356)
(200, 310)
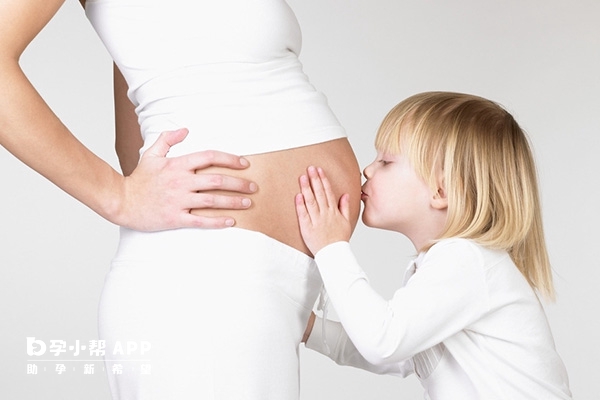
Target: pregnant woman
(223, 310)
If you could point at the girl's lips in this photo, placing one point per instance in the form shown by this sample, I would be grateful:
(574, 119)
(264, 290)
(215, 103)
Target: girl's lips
(363, 195)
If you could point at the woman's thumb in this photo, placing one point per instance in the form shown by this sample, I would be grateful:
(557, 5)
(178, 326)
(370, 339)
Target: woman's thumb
(165, 141)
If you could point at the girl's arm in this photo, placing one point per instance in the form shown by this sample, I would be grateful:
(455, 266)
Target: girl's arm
(157, 195)
(338, 346)
(446, 295)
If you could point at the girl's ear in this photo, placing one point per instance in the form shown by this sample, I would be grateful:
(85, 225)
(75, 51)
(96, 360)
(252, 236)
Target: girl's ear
(439, 200)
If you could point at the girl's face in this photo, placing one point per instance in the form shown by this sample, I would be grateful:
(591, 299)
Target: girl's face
(396, 199)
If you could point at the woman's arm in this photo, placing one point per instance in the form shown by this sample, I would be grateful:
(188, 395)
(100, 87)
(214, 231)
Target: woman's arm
(157, 195)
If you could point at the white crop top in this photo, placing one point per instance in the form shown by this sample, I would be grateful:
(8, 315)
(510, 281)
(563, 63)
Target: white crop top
(227, 70)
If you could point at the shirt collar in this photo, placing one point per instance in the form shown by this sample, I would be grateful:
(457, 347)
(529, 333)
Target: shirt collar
(412, 267)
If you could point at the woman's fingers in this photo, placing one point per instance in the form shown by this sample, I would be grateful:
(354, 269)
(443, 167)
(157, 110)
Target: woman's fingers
(170, 187)
(213, 158)
(196, 221)
(202, 200)
(194, 161)
(165, 141)
(227, 183)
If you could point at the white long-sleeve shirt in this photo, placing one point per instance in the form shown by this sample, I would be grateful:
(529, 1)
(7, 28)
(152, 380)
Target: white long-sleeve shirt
(466, 322)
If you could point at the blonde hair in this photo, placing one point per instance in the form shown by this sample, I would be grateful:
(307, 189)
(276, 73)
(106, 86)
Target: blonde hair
(486, 167)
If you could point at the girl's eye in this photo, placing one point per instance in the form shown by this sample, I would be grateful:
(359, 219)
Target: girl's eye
(384, 162)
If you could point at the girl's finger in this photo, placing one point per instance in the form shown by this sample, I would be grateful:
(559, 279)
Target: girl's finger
(326, 187)
(303, 216)
(317, 187)
(344, 206)
(309, 199)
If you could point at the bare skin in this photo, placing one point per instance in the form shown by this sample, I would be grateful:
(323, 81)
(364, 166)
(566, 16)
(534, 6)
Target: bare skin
(157, 195)
(273, 209)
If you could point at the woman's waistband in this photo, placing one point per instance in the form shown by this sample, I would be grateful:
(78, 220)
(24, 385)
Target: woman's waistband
(193, 246)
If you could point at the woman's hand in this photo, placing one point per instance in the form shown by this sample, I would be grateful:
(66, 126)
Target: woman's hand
(161, 191)
(323, 220)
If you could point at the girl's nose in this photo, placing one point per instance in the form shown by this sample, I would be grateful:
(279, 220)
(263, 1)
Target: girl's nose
(367, 171)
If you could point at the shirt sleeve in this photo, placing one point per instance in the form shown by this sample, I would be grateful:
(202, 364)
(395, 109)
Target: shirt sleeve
(340, 349)
(446, 294)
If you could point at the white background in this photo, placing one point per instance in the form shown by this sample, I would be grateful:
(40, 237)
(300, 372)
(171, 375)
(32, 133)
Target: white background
(540, 59)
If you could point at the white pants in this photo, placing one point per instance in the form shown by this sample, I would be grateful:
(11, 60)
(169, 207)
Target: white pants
(221, 311)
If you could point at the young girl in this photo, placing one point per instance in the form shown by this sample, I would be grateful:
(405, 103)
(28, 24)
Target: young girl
(455, 174)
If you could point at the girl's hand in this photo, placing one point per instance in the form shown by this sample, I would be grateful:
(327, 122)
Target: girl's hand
(309, 327)
(161, 191)
(323, 220)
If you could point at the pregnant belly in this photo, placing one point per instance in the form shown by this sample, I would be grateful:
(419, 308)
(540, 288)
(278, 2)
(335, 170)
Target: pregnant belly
(273, 211)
